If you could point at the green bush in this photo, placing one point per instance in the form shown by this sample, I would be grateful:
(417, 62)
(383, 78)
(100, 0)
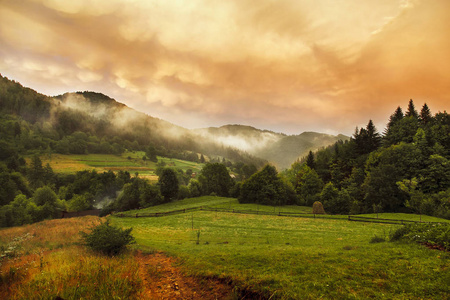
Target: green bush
(431, 234)
(108, 239)
(399, 233)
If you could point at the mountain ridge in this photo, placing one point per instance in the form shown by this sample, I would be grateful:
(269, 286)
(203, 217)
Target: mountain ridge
(98, 114)
(278, 148)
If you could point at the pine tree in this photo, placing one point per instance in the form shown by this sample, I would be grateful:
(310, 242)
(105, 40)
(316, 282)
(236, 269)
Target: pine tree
(389, 133)
(373, 137)
(425, 115)
(310, 160)
(394, 118)
(411, 112)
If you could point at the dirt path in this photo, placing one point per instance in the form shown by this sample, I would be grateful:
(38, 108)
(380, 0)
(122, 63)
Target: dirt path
(162, 280)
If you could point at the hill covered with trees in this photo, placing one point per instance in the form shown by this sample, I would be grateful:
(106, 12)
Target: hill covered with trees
(405, 168)
(33, 125)
(88, 122)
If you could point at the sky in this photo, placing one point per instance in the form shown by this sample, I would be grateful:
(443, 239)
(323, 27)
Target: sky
(289, 65)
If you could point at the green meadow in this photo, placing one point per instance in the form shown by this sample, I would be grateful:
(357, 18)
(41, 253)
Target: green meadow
(294, 258)
(128, 161)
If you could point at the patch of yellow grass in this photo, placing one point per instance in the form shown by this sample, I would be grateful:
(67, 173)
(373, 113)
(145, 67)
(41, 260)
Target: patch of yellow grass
(64, 163)
(48, 261)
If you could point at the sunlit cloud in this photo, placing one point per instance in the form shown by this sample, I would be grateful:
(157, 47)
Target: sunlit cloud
(286, 65)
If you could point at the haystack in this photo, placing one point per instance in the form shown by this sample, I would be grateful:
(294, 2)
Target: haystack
(318, 208)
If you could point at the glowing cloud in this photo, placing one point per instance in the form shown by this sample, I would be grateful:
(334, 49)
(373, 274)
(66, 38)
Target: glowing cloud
(285, 65)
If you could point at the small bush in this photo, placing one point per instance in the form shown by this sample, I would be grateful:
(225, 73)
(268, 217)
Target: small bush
(108, 239)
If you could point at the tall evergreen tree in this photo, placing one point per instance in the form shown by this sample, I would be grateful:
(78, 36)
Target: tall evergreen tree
(373, 137)
(425, 115)
(411, 112)
(395, 117)
(310, 160)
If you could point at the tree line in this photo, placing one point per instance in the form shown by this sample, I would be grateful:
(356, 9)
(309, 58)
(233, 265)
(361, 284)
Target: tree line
(406, 168)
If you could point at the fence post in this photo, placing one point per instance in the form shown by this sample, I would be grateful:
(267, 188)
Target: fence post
(136, 215)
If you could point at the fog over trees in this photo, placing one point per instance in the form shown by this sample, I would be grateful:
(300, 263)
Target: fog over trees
(405, 168)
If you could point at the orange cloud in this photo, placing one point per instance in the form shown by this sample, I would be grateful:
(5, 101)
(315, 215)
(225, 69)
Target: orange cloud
(285, 65)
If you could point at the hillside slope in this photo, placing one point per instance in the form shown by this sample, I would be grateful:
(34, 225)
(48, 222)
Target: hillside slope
(89, 122)
(277, 148)
(111, 126)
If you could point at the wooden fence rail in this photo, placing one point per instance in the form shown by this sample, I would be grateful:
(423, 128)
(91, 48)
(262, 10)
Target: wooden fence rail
(268, 213)
(385, 221)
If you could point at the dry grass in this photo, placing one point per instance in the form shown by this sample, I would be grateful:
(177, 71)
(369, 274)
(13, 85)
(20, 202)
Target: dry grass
(45, 260)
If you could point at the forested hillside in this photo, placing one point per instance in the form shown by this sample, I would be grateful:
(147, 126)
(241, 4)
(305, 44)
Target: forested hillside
(405, 168)
(33, 126)
(88, 122)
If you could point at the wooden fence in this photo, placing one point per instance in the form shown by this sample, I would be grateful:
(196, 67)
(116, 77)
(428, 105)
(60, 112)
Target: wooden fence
(225, 210)
(385, 221)
(268, 213)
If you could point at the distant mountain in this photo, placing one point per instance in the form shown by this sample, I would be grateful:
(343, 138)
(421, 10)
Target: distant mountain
(277, 148)
(243, 137)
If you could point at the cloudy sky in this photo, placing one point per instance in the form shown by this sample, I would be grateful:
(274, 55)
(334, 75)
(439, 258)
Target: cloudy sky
(288, 65)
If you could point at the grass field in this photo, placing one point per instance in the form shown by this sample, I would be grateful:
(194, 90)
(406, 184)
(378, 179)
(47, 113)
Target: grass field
(45, 260)
(183, 204)
(296, 258)
(276, 257)
(128, 161)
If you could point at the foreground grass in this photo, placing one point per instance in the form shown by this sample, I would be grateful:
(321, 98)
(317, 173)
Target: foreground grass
(45, 260)
(297, 258)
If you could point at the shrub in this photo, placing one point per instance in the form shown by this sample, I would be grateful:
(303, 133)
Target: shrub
(108, 239)
(430, 234)
(399, 233)
(318, 208)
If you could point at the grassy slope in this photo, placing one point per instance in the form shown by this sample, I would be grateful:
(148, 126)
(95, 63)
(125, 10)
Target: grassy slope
(183, 204)
(294, 258)
(128, 161)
